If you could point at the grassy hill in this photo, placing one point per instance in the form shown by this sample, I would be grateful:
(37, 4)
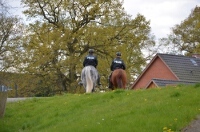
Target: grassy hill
(153, 110)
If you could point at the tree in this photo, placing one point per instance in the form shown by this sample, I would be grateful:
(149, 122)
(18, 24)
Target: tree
(186, 36)
(64, 30)
(9, 34)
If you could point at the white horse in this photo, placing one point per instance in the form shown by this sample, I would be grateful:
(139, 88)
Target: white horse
(89, 76)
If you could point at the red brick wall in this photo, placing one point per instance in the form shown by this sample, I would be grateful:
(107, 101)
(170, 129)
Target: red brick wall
(156, 70)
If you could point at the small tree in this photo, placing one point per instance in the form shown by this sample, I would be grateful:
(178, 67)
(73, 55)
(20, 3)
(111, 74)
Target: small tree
(186, 36)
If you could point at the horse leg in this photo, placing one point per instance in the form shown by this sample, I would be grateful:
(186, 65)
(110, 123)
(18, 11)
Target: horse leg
(93, 87)
(124, 83)
(110, 84)
(124, 80)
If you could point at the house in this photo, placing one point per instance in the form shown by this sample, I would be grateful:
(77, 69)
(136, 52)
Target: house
(168, 69)
(4, 88)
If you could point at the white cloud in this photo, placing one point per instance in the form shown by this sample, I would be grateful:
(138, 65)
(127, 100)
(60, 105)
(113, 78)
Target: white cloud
(163, 14)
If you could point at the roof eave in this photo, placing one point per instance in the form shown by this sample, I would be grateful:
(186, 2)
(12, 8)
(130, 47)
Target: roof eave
(152, 81)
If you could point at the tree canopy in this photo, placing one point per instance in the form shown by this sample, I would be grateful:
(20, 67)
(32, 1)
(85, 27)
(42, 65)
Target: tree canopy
(186, 35)
(9, 35)
(61, 32)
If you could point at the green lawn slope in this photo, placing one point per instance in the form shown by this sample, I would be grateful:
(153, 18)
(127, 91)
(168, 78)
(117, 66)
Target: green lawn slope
(154, 110)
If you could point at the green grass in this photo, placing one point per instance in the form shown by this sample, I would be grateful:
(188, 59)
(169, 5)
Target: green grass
(152, 110)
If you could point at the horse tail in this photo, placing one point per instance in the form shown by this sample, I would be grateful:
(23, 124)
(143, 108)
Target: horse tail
(119, 80)
(124, 79)
(89, 82)
(119, 83)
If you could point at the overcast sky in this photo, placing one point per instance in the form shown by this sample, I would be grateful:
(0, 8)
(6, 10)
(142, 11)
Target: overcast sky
(163, 14)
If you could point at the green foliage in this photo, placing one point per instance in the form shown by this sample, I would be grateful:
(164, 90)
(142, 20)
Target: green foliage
(26, 85)
(10, 34)
(176, 94)
(58, 38)
(170, 108)
(185, 36)
(197, 85)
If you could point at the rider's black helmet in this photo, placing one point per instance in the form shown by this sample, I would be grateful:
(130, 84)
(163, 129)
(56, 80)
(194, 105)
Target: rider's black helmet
(118, 53)
(91, 51)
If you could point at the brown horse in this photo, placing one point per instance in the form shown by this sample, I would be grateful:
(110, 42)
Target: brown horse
(118, 79)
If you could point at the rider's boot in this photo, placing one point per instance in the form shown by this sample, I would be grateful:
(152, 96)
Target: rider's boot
(110, 85)
(109, 82)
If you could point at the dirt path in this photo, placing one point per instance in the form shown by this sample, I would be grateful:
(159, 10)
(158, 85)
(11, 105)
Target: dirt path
(194, 126)
(15, 99)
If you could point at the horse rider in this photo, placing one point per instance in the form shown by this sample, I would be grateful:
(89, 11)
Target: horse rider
(117, 63)
(91, 60)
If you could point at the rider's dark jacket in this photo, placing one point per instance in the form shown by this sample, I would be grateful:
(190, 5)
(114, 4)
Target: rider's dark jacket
(90, 60)
(117, 63)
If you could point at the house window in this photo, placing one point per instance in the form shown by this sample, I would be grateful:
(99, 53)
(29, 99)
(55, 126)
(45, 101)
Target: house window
(194, 62)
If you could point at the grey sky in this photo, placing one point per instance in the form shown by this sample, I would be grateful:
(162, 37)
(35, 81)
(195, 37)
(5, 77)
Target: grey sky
(163, 14)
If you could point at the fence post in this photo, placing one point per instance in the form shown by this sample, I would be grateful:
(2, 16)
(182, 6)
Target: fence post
(3, 99)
